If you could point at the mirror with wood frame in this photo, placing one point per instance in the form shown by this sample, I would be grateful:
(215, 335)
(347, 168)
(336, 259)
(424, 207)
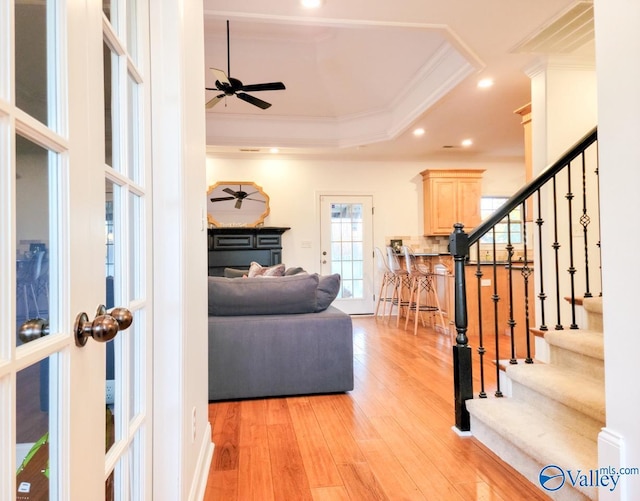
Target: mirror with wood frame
(236, 203)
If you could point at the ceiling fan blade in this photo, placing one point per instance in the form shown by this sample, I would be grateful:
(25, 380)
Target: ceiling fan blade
(255, 200)
(253, 100)
(222, 199)
(231, 192)
(213, 101)
(238, 203)
(220, 76)
(263, 86)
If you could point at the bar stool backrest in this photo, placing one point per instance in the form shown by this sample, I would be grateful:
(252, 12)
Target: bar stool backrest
(381, 261)
(394, 262)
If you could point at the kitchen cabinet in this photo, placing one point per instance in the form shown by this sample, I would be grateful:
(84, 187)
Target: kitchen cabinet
(451, 196)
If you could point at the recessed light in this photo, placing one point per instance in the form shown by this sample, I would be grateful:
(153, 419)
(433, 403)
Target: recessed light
(467, 142)
(485, 83)
(418, 132)
(311, 4)
(274, 150)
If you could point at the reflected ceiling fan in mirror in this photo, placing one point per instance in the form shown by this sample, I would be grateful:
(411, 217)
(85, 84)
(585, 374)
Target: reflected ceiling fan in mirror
(233, 203)
(229, 86)
(238, 196)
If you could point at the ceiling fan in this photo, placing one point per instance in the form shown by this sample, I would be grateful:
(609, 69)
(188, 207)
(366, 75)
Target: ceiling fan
(239, 196)
(230, 86)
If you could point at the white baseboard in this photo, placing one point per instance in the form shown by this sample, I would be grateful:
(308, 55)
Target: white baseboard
(611, 454)
(199, 484)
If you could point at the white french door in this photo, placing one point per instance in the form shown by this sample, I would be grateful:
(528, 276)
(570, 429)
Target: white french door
(346, 244)
(74, 214)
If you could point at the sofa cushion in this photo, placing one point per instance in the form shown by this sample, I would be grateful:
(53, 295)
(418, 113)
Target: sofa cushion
(256, 270)
(258, 296)
(328, 288)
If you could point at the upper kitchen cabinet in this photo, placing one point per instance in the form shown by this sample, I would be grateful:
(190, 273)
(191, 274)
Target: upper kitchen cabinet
(451, 196)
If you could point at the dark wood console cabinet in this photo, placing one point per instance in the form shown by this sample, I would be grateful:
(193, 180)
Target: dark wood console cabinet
(237, 247)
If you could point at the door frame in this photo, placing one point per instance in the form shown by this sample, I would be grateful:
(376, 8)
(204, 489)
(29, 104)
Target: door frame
(369, 270)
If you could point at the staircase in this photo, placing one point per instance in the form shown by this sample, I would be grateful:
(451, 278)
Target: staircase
(552, 412)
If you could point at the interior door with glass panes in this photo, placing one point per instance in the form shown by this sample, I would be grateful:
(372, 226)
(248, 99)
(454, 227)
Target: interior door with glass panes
(346, 244)
(74, 213)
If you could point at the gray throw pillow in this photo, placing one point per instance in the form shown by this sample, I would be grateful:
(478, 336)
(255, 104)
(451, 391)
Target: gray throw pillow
(328, 288)
(260, 296)
(235, 273)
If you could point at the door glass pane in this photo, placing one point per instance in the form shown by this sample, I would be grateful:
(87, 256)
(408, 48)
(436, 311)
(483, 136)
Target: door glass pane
(110, 75)
(136, 467)
(135, 256)
(347, 248)
(32, 231)
(133, 128)
(112, 287)
(32, 72)
(133, 335)
(35, 459)
(110, 253)
(132, 29)
(109, 9)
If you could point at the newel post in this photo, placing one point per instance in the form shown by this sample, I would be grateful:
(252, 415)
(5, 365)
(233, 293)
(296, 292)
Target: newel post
(462, 377)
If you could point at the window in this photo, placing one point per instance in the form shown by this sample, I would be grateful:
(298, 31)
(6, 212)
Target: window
(488, 205)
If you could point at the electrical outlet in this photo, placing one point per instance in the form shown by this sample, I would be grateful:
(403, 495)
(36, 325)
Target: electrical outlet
(193, 425)
(110, 392)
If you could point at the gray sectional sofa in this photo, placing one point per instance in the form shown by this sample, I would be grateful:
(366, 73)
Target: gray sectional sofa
(276, 336)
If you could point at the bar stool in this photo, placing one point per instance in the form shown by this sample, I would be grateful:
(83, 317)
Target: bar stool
(422, 284)
(402, 285)
(387, 283)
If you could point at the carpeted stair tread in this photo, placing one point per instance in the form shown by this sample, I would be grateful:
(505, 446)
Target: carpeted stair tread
(593, 305)
(583, 341)
(570, 388)
(545, 440)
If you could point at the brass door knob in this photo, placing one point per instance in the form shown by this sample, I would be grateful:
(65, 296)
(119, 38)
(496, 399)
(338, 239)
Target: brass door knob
(104, 327)
(33, 329)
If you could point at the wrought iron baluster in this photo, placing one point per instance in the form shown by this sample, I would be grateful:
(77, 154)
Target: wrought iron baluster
(597, 173)
(572, 268)
(510, 322)
(481, 348)
(526, 273)
(556, 248)
(584, 221)
(496, 299)
(541, 295)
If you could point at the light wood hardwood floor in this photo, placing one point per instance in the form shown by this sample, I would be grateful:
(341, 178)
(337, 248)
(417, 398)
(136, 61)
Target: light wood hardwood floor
(390, 438)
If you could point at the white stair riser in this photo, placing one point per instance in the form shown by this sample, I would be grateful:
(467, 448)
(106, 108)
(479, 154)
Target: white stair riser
(522, 462)
(589, 366)
(582, 423)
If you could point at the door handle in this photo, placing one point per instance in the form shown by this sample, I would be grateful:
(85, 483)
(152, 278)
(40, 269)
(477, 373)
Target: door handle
(104, 327)
(33, 329)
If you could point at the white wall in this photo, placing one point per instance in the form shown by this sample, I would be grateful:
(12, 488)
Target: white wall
(293, 187)
(617, 49)
(182, 446)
